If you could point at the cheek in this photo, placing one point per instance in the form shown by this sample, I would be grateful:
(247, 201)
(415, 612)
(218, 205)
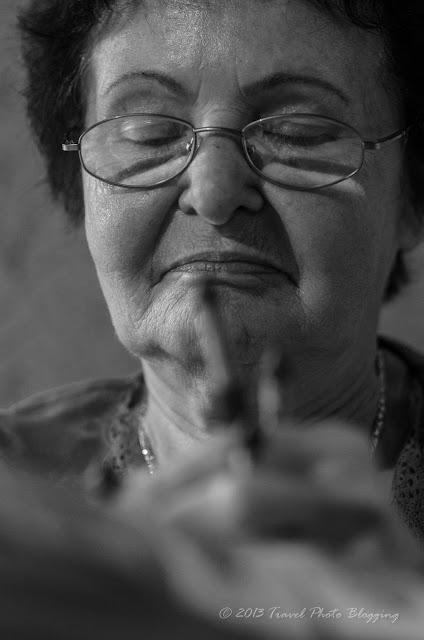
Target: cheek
(123, 227)
(337, 238)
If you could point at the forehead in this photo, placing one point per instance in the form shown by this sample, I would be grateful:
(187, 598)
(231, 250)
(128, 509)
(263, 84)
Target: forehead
(235, 40)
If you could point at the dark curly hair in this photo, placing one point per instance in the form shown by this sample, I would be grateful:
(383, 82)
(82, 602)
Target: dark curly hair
(56, 35)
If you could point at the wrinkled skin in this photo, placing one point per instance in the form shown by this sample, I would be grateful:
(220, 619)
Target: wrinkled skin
(336, 247)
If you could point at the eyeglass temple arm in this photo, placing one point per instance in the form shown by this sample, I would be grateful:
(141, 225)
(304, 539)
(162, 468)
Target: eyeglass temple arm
(374, 145)
(74, 146)
(70, 146)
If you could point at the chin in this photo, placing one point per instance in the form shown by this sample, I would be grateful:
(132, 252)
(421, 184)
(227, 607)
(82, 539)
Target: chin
(173, 328)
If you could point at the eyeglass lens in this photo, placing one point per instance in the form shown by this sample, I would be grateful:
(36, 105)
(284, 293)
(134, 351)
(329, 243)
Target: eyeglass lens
(303, 151)
(137, 151)
(295, 150)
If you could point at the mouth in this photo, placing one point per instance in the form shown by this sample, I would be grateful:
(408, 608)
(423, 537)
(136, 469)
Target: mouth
(225, 265)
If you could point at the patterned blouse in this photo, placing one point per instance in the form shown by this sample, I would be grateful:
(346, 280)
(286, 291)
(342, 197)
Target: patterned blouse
(82, 433)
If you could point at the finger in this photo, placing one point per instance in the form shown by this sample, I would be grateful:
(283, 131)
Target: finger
(335, 438)
(284, 507)
(217, 355)
(202, 512)
(269, 390)
(299, 447)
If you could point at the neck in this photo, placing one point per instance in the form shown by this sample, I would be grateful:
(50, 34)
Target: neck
(174, 420)
(353, 400)
(178, 402)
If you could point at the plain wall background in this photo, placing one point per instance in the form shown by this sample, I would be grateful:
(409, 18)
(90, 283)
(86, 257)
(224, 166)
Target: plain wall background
(54, 326)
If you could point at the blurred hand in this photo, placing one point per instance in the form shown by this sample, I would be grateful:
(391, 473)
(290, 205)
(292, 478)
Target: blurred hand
(309, 527)
(72, 571)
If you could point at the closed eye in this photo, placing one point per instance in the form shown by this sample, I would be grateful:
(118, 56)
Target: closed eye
(154, 142)
(298, 141)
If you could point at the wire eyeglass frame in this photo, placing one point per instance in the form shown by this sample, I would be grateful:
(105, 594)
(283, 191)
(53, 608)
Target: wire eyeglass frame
(366, 145)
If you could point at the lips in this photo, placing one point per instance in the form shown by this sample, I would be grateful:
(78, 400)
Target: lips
(228, 266)
(224, 262)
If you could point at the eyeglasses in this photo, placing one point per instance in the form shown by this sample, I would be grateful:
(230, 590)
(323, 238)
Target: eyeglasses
(299, 151)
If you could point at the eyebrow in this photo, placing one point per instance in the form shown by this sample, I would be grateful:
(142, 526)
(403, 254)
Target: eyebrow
(165, 80)
(275, 80)
(269, 83)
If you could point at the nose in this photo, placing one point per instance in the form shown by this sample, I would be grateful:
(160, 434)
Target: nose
(219, 181)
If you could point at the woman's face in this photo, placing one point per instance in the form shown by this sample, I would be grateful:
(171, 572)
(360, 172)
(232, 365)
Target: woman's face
(226, 64)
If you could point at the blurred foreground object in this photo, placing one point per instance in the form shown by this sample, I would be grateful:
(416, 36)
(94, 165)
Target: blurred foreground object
(188, 552)
(306, 529)
(69, 571)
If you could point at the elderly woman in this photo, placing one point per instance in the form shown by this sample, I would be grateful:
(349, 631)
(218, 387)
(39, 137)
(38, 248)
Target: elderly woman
(274, 146)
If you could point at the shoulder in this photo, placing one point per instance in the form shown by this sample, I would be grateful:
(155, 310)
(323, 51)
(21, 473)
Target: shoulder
(63, 430)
